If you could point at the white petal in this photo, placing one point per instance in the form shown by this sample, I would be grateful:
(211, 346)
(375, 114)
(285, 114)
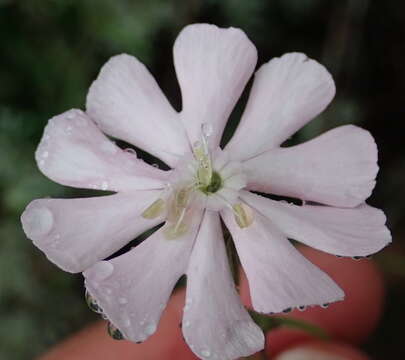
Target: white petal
(133, 289)
(76, 233)
(336, 168)
(215, 323)
(127, 103)
(279, 276)
(74, 152)
(287, 93)
(347, 232)
(213, 66)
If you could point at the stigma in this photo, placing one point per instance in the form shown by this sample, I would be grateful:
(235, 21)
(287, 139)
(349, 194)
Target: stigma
(205, 179)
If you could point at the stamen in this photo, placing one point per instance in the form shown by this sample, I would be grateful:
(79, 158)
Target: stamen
(202, 155)
(174, 231)
(243, 215)
(176, 226)
(182, 197)
(154, 210)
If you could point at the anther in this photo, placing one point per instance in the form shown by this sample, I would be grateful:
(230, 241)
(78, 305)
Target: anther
(154, 210)
(243, 215)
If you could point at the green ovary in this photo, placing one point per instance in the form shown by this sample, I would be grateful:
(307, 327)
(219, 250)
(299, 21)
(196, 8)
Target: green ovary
(213, 186)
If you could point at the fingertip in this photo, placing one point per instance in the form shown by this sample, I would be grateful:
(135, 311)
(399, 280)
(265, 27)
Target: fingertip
(93, 342)
(351, 320)
(316, 350)
(354, 318)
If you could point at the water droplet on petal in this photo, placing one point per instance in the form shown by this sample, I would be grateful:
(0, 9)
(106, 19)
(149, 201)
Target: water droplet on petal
(38, 221)
(126, 322)
(150, 328)
(122, 301)
(101, 271)
(207, 129)
(92, 303)
(104, 185)
(325, 305)
(155, 166)
(302, 308)
(130, 151)
(114, 332)
(186, 323)
(206, 353)
(357, 258)
(189, 301)
(197, 144)
(108, 147)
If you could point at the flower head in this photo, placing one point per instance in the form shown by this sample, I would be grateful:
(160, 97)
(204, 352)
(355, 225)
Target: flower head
(335, 172)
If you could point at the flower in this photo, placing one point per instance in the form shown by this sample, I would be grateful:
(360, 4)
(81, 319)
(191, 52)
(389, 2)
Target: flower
(335, 172)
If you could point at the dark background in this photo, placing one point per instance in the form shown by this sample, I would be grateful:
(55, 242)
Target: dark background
(52, 50)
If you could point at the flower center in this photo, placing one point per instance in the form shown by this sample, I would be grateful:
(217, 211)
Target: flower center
(204, 180)
(213, 186)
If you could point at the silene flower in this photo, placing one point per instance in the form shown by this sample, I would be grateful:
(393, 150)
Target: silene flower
(334, 173)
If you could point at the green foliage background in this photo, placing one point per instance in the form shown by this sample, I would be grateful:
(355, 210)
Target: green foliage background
(51, 50)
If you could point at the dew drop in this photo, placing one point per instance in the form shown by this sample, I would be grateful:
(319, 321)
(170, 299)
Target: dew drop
(155, 166)
(101, 271)
(108, 147)
(325, 305)
(207, 129)
(92, 303)
(189, 301)
(126, 322)
(302, 308)
(122, 301)
(104, 185)
(206, 353)
(186, 323)
(38, 221)
(114, 332)
(130, 151)
(197, 144)
(150, 328)
(357, 258)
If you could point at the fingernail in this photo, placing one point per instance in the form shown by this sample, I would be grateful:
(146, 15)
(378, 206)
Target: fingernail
(308, 354)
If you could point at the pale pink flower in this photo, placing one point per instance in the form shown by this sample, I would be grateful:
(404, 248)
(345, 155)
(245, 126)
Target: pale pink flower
(213, 65)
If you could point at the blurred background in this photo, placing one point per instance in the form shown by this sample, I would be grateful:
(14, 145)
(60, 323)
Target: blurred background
(51, 50)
